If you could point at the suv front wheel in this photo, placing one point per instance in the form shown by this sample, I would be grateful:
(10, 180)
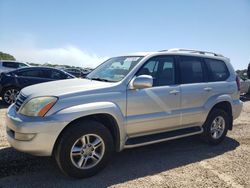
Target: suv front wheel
(84, 149)
(216, 126)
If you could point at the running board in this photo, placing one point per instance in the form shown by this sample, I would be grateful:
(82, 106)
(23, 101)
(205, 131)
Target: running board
(160, 137)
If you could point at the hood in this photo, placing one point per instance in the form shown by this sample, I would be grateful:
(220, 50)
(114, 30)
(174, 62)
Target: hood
(63, 87)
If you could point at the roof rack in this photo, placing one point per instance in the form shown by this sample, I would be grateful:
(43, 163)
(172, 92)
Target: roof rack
(191, 51)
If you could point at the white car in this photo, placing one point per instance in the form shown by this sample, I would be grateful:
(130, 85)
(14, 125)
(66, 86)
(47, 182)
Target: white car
(8, 65)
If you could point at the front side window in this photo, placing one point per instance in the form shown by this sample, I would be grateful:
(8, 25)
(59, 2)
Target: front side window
(114, 69)
(162, 70)
(56, 75)
(217, 70)
(191, 70)
(21, 65)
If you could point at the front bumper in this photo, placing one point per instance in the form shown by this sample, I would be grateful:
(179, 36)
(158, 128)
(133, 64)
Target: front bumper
(41, 132)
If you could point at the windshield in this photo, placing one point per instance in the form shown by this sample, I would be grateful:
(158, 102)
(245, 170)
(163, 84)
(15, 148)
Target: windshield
(114, 69)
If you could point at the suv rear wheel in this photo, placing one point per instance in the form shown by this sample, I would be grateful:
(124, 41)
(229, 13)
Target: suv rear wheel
(84, 149)
(216, 126)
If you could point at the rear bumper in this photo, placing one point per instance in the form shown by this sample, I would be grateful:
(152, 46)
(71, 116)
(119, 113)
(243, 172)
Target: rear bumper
(236, 108)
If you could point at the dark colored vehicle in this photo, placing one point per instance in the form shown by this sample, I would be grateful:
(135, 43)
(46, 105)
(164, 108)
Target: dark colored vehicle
(248, 71)
(77, 72)
(12, 82)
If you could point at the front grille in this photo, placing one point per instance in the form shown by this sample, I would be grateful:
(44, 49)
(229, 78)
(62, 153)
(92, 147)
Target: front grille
(19, 101)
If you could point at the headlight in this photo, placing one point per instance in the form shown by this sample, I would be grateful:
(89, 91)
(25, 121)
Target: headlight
(38, 106)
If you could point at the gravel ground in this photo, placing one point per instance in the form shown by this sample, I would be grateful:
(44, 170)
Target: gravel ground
(180, 163)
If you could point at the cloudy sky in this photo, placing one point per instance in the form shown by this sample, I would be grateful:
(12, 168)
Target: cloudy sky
(85, 33)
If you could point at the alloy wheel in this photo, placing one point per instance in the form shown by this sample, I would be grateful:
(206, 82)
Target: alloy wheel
(217, 127)
(87, 151)
(10, 95)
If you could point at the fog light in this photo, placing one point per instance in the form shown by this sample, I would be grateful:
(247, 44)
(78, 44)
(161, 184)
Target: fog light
(24, 136)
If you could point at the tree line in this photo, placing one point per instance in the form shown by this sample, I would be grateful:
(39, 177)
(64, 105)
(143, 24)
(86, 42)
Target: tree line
(5, 56)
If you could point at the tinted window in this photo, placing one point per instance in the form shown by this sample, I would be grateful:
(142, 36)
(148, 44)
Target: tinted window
(21, 65)
(30, 73)
(150, 68)
(191, 70)
(161, 69)
(217, 70)
(57, 75)
(10, 64)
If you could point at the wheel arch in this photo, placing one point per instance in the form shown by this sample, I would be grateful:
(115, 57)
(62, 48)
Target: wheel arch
(106, 119)
(227, 107)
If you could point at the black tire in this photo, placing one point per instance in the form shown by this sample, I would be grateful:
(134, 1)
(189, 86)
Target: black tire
(62, 152)
(4, 91)
(207, 135)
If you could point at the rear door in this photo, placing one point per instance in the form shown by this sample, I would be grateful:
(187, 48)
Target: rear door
(194, 90)
(30, 77)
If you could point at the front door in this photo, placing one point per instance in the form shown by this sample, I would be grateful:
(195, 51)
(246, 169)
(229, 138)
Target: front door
(157, 108)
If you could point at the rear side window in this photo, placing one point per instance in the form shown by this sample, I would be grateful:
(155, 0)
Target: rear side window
(10, 64)
(217, 70)
(191, 70)
(30, 73)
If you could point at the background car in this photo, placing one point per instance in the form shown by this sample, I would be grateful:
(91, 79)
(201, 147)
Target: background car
(245, 81)
(7, 65)
(12, 82)
(244, 86)
(80, 73)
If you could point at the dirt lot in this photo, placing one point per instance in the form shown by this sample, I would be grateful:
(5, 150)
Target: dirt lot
(181, 163)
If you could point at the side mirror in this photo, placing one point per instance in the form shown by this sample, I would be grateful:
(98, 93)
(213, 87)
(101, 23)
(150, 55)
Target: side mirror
(140, 82)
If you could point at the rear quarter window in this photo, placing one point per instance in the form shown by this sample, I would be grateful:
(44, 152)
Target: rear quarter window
(217, 70)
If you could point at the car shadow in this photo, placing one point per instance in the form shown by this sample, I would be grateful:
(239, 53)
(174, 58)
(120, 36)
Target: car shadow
(124, 166)
(245, 97)
(2, 104)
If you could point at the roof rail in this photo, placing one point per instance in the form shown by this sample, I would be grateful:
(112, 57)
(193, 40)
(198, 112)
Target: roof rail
(191, 51)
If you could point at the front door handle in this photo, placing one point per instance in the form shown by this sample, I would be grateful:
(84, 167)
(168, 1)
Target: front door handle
(207, 88)
(174, 92)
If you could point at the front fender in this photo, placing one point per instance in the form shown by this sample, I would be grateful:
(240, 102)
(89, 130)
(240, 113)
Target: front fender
(72, 113)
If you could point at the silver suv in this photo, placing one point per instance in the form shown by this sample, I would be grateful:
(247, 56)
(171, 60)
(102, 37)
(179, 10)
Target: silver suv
(127, 101)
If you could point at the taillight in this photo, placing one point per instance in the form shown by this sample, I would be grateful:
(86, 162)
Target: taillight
(238, 82)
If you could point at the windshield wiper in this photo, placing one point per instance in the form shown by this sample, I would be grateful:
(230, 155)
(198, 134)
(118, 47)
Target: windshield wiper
(101, 79)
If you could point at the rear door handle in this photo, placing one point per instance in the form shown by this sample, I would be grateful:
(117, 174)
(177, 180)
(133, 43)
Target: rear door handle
(175, 92)
(207, 88)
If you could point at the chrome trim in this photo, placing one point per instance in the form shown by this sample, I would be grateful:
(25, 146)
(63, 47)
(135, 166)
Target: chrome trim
(162, 140)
